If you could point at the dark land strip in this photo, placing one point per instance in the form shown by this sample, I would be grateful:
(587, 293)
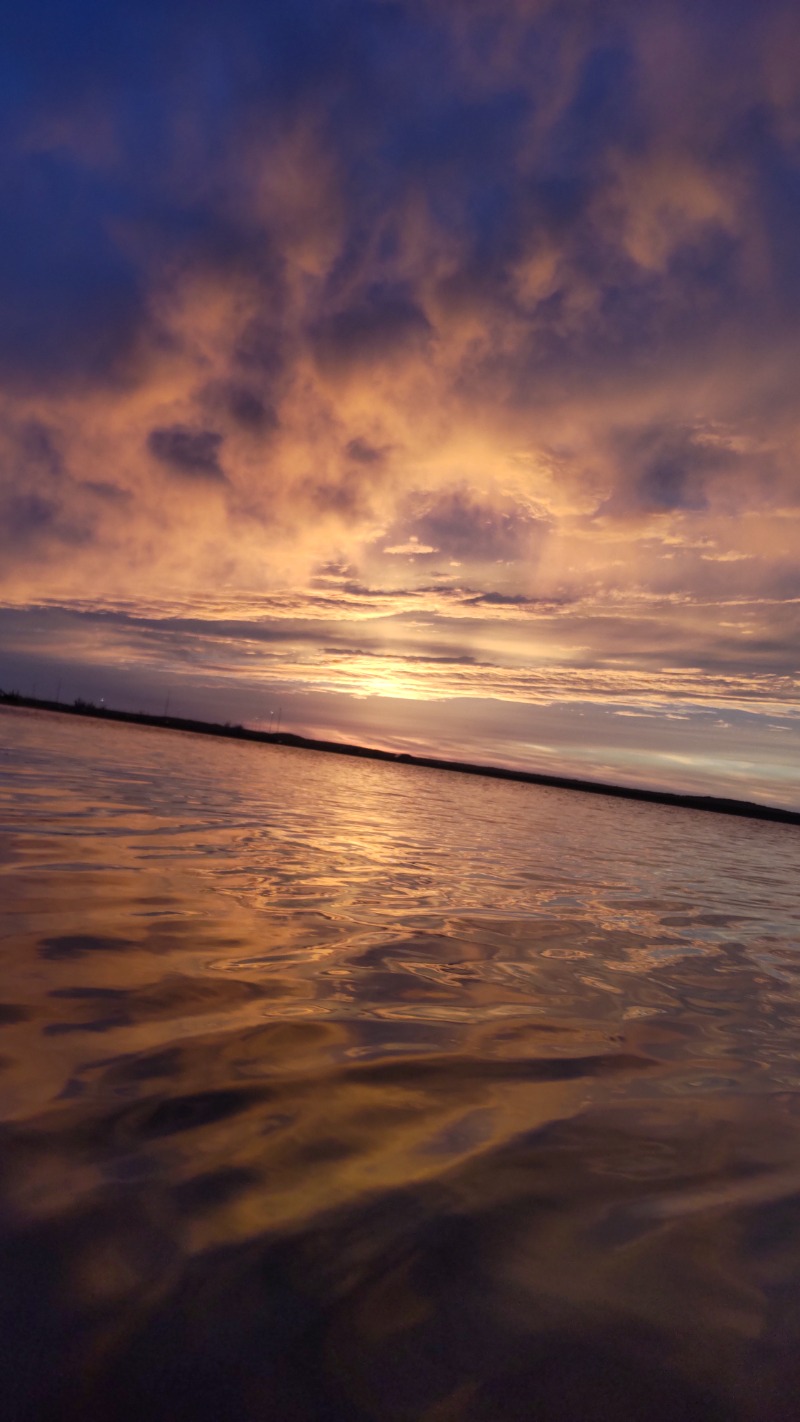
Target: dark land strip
(718, 804)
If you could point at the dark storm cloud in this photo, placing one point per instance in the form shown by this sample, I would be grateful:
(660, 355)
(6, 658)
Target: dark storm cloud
(261, 349)
(662, 468)
(349, 494)
(462, 526)
(380, 323)
(31, 457)
(39, 502)
(37, 449)
(187, 451)
(248, 407)
(363, 452)
(25, 515)
(496, 599)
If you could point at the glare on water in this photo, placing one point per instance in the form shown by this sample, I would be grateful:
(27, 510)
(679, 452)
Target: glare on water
(334, 1089)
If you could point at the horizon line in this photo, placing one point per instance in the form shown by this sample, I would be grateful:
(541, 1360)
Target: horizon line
(724, 805)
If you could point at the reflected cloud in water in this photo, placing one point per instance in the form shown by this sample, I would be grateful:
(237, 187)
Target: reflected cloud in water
(355, 1091)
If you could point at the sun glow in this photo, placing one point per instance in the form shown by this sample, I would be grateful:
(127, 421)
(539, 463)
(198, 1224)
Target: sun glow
(391, 683)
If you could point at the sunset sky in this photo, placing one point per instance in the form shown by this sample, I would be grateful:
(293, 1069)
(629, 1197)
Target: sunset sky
(427, 370)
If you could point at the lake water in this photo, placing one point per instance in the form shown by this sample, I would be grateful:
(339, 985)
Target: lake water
(338, 1091)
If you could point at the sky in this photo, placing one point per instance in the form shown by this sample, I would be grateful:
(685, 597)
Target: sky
(422, 372)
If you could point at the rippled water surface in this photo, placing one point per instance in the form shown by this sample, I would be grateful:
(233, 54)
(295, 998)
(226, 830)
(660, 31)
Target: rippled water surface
(338, 1091)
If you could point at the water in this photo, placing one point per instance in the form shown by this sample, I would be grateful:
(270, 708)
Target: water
(337, 1091)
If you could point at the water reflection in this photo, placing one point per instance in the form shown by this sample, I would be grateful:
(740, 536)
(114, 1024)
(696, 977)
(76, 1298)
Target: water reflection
(350, 1091)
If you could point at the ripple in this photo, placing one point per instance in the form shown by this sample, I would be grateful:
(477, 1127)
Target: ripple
(346, 1092)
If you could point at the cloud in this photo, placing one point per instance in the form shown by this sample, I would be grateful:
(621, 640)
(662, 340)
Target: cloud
(663, 468)
(412, 549)
(493, 306)
(363, 452)
(463, 525)
(381, 324)
(249, 408)
(194, 453)
(496, 599)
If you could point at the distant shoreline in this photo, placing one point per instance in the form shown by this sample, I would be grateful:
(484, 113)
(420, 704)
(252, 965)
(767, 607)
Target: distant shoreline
(746, 809)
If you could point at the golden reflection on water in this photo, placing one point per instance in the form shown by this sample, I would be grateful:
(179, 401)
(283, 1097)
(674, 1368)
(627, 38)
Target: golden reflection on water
(337, 1091)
